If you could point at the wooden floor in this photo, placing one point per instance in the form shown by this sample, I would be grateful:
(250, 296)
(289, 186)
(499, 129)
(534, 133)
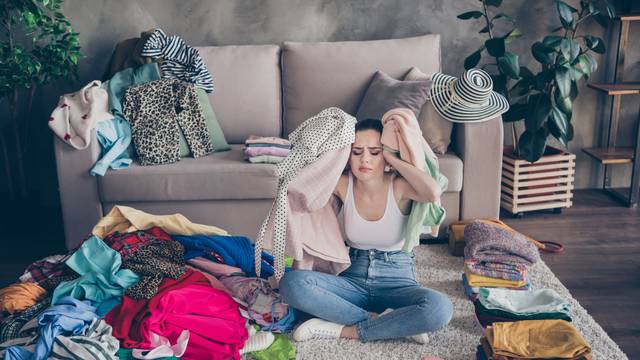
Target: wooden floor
(600, 266)
(601, 262)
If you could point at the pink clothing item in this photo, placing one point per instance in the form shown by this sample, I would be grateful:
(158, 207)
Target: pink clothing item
(78, 113)
(212, 317)
(274, 151)
(213, 268)
(253, 139)
(215, 283)
(162, 347)
(314, 238)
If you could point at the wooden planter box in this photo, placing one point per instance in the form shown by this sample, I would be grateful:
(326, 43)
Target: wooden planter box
(545, 184)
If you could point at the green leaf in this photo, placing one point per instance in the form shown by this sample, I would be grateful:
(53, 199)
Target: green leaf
(573, 94)
(495, 47)
(516, 112)
(472, 60)
(611, 11)
(563, 80)
(537, 112)
(504, 16)
(564, 103)
(494, 3)
(499, 83)
(532, 144)
(588, 64)
(509, 65)
(470, 15)
(485, 29)
(566, 15)
(595, 43)
(543, 53)
(525, 72)
(552, 40)
(515, 33)
(601, 20)
(560, 123)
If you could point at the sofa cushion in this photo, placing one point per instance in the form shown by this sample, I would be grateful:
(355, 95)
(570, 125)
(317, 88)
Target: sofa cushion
(386, 93)
(246, 98)
(222, 175)
(324, 74)
(218, 176)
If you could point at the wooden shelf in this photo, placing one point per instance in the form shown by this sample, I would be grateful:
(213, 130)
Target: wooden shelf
(614, 155)
(625, 88)
(629, 17)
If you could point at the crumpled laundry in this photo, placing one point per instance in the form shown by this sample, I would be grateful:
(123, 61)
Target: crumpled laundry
(128, 243)
(101, 276)
(49, 272)
(281, 349)
(188, 303)
(14, 325)
(20, 296)
(68, 316)
(127, 354)
(213, 281)
(486, 242)
(234, 250)
(214, 268)
(179, 61)
(263, 304)
(162, 347)
(96, 343)
(127, 219)
(152, 263)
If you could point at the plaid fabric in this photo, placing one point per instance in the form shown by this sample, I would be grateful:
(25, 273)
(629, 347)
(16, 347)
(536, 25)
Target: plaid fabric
(49, 272)
(497, 270)
(128, 243)
(11, 327)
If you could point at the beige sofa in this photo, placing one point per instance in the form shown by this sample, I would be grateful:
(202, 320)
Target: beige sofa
(269, 90)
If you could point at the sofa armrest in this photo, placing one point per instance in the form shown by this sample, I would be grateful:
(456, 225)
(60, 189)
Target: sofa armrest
(479, 145)
(81, 207)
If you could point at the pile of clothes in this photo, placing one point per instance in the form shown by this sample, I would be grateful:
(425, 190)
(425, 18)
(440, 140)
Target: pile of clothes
(533, 339)
(147, 287)
(153, 104)
(266, 149)
(496, 257)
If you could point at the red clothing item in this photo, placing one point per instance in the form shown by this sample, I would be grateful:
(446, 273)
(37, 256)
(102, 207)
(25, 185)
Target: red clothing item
(211, 316)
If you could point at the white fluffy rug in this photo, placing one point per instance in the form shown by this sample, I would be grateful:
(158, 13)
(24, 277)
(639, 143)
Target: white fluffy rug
(440, 271)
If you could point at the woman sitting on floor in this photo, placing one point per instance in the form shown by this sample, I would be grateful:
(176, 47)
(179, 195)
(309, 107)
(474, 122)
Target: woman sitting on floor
(381, 275)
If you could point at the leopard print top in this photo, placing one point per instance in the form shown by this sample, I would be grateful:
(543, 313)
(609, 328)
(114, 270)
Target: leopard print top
(157, 111)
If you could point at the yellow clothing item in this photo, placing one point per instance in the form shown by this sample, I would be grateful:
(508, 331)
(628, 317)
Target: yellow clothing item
(126, 219)
(476, 280)
(20, 296)
(537, 339)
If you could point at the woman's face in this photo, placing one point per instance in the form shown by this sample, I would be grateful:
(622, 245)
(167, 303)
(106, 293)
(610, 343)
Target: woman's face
(366, 159)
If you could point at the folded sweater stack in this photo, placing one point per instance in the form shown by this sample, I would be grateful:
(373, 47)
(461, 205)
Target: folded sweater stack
(266, 149)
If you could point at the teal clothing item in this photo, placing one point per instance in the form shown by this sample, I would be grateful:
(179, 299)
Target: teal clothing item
(524, 302)
(101, 278)
(127, 354)
(281, 349)
(115, 135)
(216, 135)
(424, 216)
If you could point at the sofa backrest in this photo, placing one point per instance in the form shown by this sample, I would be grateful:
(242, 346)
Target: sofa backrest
(247, 95)
(324, 74)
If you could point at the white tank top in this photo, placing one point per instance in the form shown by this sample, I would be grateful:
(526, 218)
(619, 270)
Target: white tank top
(385, 234)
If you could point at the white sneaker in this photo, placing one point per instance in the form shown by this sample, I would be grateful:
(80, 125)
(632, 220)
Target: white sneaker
(317, 329)
(420, 338)
(257, 341)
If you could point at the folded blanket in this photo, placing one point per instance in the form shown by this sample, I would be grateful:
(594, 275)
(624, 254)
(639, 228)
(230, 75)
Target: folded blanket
(266, 159)
(524, 303)
(515, 272)
(258, 145)
(253, 139)
(486, 242)
(270, 150)
(485, 281)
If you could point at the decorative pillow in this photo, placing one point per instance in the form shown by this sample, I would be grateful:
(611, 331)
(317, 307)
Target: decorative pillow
(435, 129)
(386, 93)
(215, 132)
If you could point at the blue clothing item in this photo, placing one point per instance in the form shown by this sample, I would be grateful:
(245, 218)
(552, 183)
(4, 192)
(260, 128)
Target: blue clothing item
(286, 323)
(115, 135)
(68, 317)
(235, 250)
(101, 277)
(375, 281)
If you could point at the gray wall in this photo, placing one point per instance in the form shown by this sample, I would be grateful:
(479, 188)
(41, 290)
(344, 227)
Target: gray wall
(102, 23)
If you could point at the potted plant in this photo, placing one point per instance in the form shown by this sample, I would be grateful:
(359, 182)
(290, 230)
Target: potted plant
(37, 46)
(537, 176)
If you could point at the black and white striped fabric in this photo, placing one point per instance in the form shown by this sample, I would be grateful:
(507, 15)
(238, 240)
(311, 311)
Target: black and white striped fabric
(467, 99)
(179, 60)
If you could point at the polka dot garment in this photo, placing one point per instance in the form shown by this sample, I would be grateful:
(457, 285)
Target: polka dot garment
(331, 129)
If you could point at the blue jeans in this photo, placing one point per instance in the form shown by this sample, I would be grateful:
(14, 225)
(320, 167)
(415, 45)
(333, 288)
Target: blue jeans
(375, 281)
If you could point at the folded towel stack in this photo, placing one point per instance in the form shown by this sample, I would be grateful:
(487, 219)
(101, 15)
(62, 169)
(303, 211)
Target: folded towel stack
(266, 149)
(496, 257)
